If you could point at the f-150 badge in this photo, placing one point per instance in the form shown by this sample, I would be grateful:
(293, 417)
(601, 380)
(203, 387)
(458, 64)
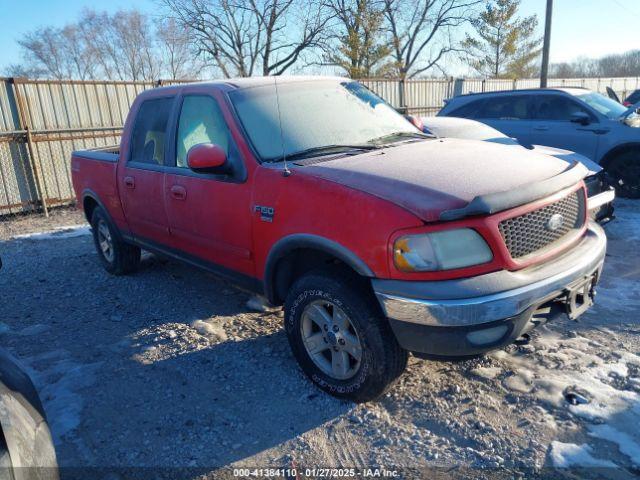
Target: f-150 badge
(266, 213)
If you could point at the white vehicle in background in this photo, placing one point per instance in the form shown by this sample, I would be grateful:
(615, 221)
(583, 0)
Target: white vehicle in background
(26, 446)
(573, 118)
(599, 190)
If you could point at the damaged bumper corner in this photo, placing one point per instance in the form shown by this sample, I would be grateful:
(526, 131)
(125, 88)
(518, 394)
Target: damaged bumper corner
(474, 315)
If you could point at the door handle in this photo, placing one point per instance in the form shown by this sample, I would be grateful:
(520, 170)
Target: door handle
(179, 192)
(129, 182)
(541, 128)
(597, 131)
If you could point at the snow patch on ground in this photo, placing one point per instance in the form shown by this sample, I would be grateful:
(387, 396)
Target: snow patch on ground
(487, 372)
(627, 444)
(567, 455)
(59, 384)
(70, 231)
(618, 295)
(561, 365)
(211, 329)
(627, 224)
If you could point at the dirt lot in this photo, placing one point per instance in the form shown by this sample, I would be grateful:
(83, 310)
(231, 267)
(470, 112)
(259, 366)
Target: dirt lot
(169, 368)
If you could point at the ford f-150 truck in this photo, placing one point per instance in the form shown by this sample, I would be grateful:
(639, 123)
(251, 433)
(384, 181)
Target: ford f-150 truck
(378, 239)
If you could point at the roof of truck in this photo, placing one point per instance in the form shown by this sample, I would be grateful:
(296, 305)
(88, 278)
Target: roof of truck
(249, 82)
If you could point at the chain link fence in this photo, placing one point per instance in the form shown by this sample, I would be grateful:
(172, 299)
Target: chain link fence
(43, 121)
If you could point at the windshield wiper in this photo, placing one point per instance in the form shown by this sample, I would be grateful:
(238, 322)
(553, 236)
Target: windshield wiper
(325, 150)
(395, 136)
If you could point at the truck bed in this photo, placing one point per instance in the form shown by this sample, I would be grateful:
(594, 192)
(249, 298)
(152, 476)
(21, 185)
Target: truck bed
(110, 153)
(94, 177)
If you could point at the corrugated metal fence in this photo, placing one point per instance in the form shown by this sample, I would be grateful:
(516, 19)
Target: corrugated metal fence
(43, 121)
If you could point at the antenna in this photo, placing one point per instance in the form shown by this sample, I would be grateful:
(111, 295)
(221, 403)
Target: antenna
(286, 172)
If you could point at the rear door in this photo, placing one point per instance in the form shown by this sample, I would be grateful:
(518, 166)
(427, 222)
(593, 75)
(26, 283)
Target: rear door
(553, 126)
(509, 114)
(209, 214)
(141, 177)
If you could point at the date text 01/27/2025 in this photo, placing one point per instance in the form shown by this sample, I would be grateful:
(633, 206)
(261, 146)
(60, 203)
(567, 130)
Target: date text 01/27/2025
(294, 472)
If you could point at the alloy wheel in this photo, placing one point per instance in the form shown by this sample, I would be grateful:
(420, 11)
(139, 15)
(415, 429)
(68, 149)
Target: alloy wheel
(105, 241)
(331, 340)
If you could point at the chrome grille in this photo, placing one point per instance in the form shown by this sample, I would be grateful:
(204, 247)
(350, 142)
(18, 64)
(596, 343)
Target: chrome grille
(534, 231)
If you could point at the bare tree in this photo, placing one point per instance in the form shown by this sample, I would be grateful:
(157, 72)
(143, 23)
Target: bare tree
(291, 27)
(223, 34)
(357, 40)
(125, 45)
(60, 53)
(625, 64)
(422, 31)
(176, 50)
(241, 37)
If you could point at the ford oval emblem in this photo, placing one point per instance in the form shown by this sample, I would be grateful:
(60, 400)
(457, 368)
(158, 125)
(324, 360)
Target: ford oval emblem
(554, 222)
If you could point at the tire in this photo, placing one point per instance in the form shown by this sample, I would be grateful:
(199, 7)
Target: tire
(339, 294)
(116, 256)
(624, 170)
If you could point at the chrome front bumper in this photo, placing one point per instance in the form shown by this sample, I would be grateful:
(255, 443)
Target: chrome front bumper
(600, 199)
(494, 296)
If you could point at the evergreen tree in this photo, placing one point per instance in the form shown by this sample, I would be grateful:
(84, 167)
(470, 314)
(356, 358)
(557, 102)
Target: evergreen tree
(505, 45)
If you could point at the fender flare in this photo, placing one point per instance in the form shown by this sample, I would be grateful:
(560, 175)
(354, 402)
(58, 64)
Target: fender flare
(607, 157)
(88, 193)
(290, 243)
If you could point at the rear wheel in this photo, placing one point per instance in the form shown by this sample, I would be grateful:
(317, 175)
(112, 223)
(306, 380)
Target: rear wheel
(116, 256)
(339, 336)
(624, 169)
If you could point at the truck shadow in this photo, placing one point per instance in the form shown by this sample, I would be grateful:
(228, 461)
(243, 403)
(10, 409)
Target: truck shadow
(211, 407)
(128, 382)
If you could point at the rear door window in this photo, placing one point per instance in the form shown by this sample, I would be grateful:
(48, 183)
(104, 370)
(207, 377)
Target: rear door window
(149, 131)
(506, 107)
(468, 110)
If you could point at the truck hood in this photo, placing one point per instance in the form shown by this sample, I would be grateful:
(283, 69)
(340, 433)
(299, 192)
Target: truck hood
(433, 176)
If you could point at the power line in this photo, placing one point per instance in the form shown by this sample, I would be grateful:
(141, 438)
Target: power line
(627, 8)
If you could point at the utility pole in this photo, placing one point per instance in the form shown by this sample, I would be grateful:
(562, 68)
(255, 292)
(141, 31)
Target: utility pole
(544, 70)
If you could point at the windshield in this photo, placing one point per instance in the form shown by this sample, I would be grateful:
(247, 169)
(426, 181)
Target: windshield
(316, 114)
(604, 105)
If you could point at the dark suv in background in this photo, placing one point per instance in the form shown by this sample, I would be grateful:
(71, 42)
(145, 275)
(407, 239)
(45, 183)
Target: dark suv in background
(573, 119)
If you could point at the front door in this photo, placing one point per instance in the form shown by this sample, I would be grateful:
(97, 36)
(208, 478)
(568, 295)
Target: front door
(209, 214)
(553, 127)
(141, 177)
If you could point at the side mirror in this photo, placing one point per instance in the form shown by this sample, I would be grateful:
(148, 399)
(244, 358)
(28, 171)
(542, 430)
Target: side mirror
(581, 118)
(207, 158)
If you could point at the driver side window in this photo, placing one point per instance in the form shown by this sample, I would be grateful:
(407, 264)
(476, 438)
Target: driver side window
(557, 107)
(201, 121)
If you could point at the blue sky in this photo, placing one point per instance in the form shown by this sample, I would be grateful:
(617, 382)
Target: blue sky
(580, 27)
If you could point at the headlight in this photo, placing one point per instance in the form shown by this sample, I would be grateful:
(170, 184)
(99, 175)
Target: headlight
(443, 250)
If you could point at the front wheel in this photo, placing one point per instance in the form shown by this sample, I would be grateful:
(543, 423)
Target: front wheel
(339, 336)
(624, 171)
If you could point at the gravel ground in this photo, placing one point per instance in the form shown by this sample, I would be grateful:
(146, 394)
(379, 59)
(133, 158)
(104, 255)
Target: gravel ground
(169, 368)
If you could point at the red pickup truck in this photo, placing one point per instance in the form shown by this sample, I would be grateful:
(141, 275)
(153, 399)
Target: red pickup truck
(378, 239)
